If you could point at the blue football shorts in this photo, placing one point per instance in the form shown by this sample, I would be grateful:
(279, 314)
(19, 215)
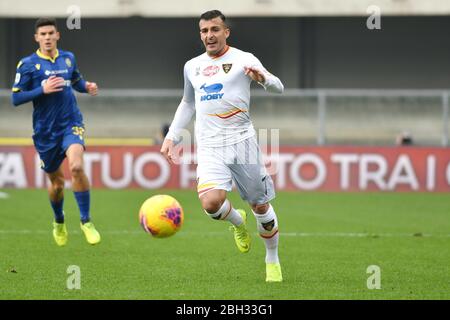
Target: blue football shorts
(52, 158)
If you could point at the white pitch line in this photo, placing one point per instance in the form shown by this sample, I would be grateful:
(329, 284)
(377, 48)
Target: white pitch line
(284, 234)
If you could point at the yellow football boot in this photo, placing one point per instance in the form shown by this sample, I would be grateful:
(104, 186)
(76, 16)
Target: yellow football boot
(241, 235)
(91, 234)
(60, 233)
(273, 272)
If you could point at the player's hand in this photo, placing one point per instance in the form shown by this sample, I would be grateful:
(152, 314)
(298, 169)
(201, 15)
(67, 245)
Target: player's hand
(255, 74)
(91, 88)
(167, 150)
(53, 84)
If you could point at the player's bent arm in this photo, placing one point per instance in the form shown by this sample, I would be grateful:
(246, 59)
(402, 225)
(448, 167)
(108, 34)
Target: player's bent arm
(272, 84)
(21, 97)
(53, 84)
(78, 82)
(182, 117)
(80, 85)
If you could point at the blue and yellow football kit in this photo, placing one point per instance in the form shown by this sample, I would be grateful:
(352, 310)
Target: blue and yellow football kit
(57, 120)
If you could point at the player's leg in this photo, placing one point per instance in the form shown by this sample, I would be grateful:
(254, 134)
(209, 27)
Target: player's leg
(218, 207)
(267, 224)
(81, 190)
(80, 182)
(256, 186)
(51, 160)
(214, 180)
(56, 196)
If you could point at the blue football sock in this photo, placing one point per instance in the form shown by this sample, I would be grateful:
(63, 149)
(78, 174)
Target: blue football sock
(58, 210)
(84, 200)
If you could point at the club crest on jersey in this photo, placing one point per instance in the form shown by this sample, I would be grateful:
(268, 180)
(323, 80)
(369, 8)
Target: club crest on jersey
(68, 62)
(38, 66)
(210, 71)
(212, 92)
(227, 67)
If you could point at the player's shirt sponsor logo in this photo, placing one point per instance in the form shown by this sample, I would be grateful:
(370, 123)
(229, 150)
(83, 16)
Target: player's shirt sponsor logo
(212, 92)
(53, 72)
(210, 71)
(67, 83)
(227, 67)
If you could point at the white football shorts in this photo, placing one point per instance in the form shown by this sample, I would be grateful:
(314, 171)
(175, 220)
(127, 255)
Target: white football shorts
(241, 163)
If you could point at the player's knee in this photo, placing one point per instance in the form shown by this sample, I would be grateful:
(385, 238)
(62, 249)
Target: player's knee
(76, 169)
(58, 186)
(260, 208)
(211, 205)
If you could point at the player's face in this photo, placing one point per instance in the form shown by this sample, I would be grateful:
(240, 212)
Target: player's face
(214, 35)
(47, 37)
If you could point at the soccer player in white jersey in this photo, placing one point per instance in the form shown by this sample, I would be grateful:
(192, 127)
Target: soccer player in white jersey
(217, 88)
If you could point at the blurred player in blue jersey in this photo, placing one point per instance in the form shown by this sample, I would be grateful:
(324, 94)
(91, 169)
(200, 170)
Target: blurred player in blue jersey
(47, 77)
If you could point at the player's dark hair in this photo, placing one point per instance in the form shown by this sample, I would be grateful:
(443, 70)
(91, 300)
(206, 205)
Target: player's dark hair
(41, 22)
(209, 15)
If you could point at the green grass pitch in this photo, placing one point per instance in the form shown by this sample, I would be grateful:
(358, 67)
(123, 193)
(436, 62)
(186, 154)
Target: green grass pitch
(327, 242)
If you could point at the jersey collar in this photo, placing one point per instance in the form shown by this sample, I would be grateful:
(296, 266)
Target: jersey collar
(43, 56)
(227, 47)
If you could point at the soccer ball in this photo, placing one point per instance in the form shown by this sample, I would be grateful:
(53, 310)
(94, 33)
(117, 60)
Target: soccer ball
(161, 216)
